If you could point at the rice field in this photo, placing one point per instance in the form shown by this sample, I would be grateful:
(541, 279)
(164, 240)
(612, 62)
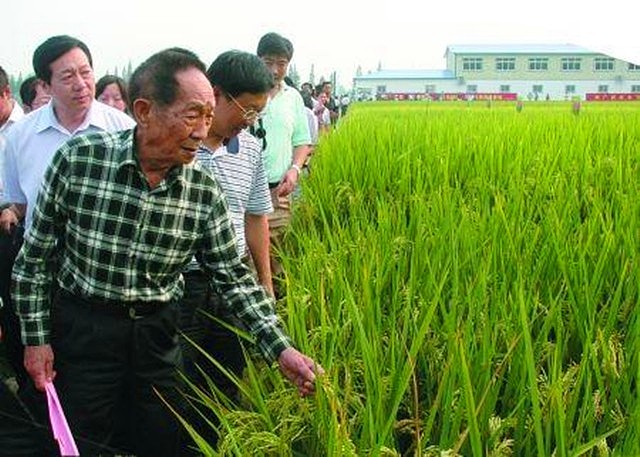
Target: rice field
(468, 276)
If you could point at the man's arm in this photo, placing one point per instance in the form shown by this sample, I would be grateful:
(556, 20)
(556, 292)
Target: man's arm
(33, 272)
(256, 228)
(292, 175)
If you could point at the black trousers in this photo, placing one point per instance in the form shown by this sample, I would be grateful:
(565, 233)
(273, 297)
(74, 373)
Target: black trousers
(22, 433)
(111, 365)
(219, 342)
(222, 344)
(9, 247)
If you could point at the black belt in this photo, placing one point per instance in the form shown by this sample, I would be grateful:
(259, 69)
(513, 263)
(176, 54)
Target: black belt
(134, 309)
(194, 273)
(273, 185)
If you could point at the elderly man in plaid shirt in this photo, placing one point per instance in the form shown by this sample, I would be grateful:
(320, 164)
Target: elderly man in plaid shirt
(118, 218)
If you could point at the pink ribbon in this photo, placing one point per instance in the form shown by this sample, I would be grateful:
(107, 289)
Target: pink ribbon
(59, 425)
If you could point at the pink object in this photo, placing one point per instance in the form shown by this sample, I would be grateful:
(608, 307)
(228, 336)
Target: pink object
(59, 425)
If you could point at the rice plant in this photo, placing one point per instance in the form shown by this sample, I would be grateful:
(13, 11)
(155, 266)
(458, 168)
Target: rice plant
(468, 277)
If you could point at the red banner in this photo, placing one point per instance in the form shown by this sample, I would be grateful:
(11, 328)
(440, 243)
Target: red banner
(613, 97)
(449, 96)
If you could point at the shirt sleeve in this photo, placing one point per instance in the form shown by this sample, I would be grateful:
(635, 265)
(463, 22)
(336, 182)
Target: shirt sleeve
(242, 295)
(12, 191)
(34, 268)
(259, 201)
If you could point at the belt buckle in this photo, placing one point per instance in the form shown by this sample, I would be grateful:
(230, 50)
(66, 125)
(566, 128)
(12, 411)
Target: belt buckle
(132, 313)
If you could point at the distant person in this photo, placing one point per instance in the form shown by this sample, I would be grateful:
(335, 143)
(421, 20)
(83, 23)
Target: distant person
(112, 90)
(287, 135)
(10, 110)
(320, 110)
(307, 88)
(10, 113)
(312, 120)
(122, 214)
(345, 101)
(332, 104)
(33, 94)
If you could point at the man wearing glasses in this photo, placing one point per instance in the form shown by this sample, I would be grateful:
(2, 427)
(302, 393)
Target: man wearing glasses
(241, 84)
(287, 134)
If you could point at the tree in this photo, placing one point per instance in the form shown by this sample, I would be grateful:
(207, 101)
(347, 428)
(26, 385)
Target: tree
(312, 76)
(294, 75)
(127, 75)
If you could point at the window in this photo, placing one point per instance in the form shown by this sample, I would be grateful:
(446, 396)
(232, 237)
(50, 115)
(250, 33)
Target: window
(537, 88)
(472, 89)
(381, 89)
(570, 89)
(571, 63)
(430, 89)
(603, 89)
(505, 88)
(603, 64)
(472, 63)
(635, 88)
(538, 64)
(505, 63)
(634, 67)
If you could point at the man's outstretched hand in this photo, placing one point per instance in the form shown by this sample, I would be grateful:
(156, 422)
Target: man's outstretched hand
(300, 370)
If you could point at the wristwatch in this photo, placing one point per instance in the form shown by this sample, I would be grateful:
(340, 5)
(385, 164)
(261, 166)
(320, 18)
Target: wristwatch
(296, 168)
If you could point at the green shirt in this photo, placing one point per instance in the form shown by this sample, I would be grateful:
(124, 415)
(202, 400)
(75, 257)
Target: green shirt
(108, 236)
(286, 126)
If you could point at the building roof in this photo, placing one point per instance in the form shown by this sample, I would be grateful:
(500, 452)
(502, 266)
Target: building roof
(407, 74)
(517, 49)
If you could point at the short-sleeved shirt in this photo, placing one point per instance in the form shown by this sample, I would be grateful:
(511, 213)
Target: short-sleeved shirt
(286, 126)
(239, 170)
(113, 238)
(32, 142)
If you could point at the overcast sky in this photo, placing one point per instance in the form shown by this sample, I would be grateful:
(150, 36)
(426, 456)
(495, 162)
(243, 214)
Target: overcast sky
(333, 35)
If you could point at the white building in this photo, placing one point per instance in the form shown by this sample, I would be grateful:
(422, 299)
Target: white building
(507, 72)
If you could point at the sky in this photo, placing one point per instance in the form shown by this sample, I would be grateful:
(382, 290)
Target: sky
(331, 35)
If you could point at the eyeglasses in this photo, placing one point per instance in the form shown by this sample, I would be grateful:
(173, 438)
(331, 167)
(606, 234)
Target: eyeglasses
(250, 115)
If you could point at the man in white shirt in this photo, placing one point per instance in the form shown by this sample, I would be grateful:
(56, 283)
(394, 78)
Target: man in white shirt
(65, 66)
(287, 137)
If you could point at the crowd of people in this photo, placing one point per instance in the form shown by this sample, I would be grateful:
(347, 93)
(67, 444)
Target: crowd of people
(131, 211)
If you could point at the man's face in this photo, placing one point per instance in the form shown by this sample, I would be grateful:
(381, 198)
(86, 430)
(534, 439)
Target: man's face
(72, 85)
(278, 66)
(327, 89)
(233, 114)
(174, 133)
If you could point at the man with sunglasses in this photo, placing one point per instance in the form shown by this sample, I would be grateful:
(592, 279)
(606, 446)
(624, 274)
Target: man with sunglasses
(287, 134)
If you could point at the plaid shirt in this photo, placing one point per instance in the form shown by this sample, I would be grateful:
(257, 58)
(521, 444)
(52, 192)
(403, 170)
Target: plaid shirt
(106, 235)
